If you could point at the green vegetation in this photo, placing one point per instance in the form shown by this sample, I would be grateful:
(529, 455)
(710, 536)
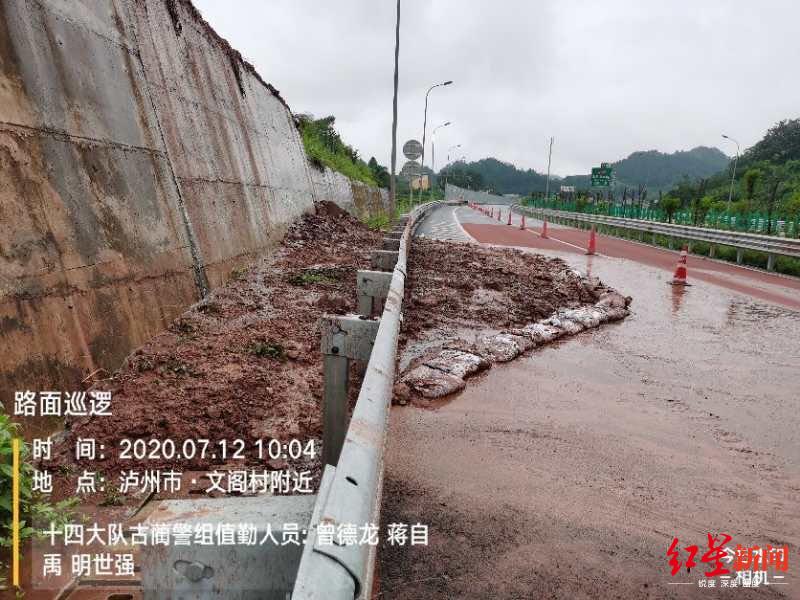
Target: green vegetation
(34, 507)
(268, 350)
(657, 171)
(380, 222)
(765, 198)
(766, 191)
(463, 176)
(312, 276)
(325, 148)
(650, 169)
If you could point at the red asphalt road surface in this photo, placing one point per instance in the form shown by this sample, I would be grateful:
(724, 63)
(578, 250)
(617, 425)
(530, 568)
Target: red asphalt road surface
(759, 284)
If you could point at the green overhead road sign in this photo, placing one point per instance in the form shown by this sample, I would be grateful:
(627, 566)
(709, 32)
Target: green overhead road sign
(602, 176)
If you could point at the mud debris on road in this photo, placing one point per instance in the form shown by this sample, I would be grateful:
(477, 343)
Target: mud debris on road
(244, 363)
(470, 306)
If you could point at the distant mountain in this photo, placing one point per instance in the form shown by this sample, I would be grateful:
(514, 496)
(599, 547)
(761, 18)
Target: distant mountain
(654, 169)
(505, 178)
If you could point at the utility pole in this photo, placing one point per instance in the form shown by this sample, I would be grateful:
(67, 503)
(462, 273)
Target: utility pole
(392, 181)
(733, 175)
(549, 157)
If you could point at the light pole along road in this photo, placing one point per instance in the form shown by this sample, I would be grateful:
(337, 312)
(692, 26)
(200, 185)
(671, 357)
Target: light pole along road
(433, 144)
(733, 175)
(425, 118)
(448, 162)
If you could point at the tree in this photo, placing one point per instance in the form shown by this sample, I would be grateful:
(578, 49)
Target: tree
(462, 176)
(380, 172)
(750, 180)
(780, 144)
(774, 178)
(670, 204)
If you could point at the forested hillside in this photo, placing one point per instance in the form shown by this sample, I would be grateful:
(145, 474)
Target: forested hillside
(652, 169)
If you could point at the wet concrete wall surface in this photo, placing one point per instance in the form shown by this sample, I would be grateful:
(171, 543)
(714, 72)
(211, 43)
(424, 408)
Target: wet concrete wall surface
(141, 161)
(353, 196)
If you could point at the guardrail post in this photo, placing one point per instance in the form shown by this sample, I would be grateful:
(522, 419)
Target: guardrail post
(383, 260)
(712, 251)
(372, 287)
(344, 338)
(770, 262)
(739, 255)
(669, 242)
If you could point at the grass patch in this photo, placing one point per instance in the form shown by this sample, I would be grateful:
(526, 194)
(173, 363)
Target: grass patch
(325, 148)
(379, 222)
(268, 350)
(312, 276)
(238, 273)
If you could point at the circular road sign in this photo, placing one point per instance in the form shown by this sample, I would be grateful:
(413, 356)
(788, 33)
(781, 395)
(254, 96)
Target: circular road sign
(412, 149)
(411, 169)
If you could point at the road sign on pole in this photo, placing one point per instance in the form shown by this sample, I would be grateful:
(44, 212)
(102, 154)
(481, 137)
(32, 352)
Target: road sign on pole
(602, 176)
(412, 149)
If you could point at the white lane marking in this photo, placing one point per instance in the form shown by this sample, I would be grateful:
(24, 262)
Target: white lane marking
(461, 227)
(547, 238)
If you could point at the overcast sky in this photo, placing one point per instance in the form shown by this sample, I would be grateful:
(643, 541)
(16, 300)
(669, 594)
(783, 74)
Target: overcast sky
(604, 78)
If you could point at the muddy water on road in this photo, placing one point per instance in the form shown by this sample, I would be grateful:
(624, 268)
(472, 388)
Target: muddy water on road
(568, 472)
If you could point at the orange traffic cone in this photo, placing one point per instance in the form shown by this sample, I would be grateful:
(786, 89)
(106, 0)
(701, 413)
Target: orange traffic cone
(679, 278)
(592, 242)
(544, 229)
(509, 217)
(522, 225)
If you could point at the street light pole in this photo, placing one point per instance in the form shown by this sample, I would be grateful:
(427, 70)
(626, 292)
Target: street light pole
(433, 156)
(392, 178)
(549, 157)
(433, 145)
(733, 175)
(448, 164)
(425, 116)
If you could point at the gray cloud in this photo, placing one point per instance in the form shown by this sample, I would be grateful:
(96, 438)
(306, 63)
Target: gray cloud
(605, 78)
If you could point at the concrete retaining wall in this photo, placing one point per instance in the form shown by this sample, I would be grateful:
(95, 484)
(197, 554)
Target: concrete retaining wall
(353, 196)
(141, 160)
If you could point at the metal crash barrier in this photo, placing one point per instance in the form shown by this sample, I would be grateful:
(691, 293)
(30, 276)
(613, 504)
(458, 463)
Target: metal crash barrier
(770, 245)
(350, 492)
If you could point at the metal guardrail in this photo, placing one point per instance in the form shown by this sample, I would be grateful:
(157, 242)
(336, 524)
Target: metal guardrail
(351, 492)
(772, 246)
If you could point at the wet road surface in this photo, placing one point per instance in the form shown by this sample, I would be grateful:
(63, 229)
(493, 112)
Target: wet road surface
(568, 472)
(771, 287)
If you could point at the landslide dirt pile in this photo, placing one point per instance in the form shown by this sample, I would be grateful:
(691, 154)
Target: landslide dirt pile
(452, 284)
(245, 362)
(468, 307)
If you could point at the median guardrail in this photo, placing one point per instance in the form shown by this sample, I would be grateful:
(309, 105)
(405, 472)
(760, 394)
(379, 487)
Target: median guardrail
(350, 492)
(770, 245)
